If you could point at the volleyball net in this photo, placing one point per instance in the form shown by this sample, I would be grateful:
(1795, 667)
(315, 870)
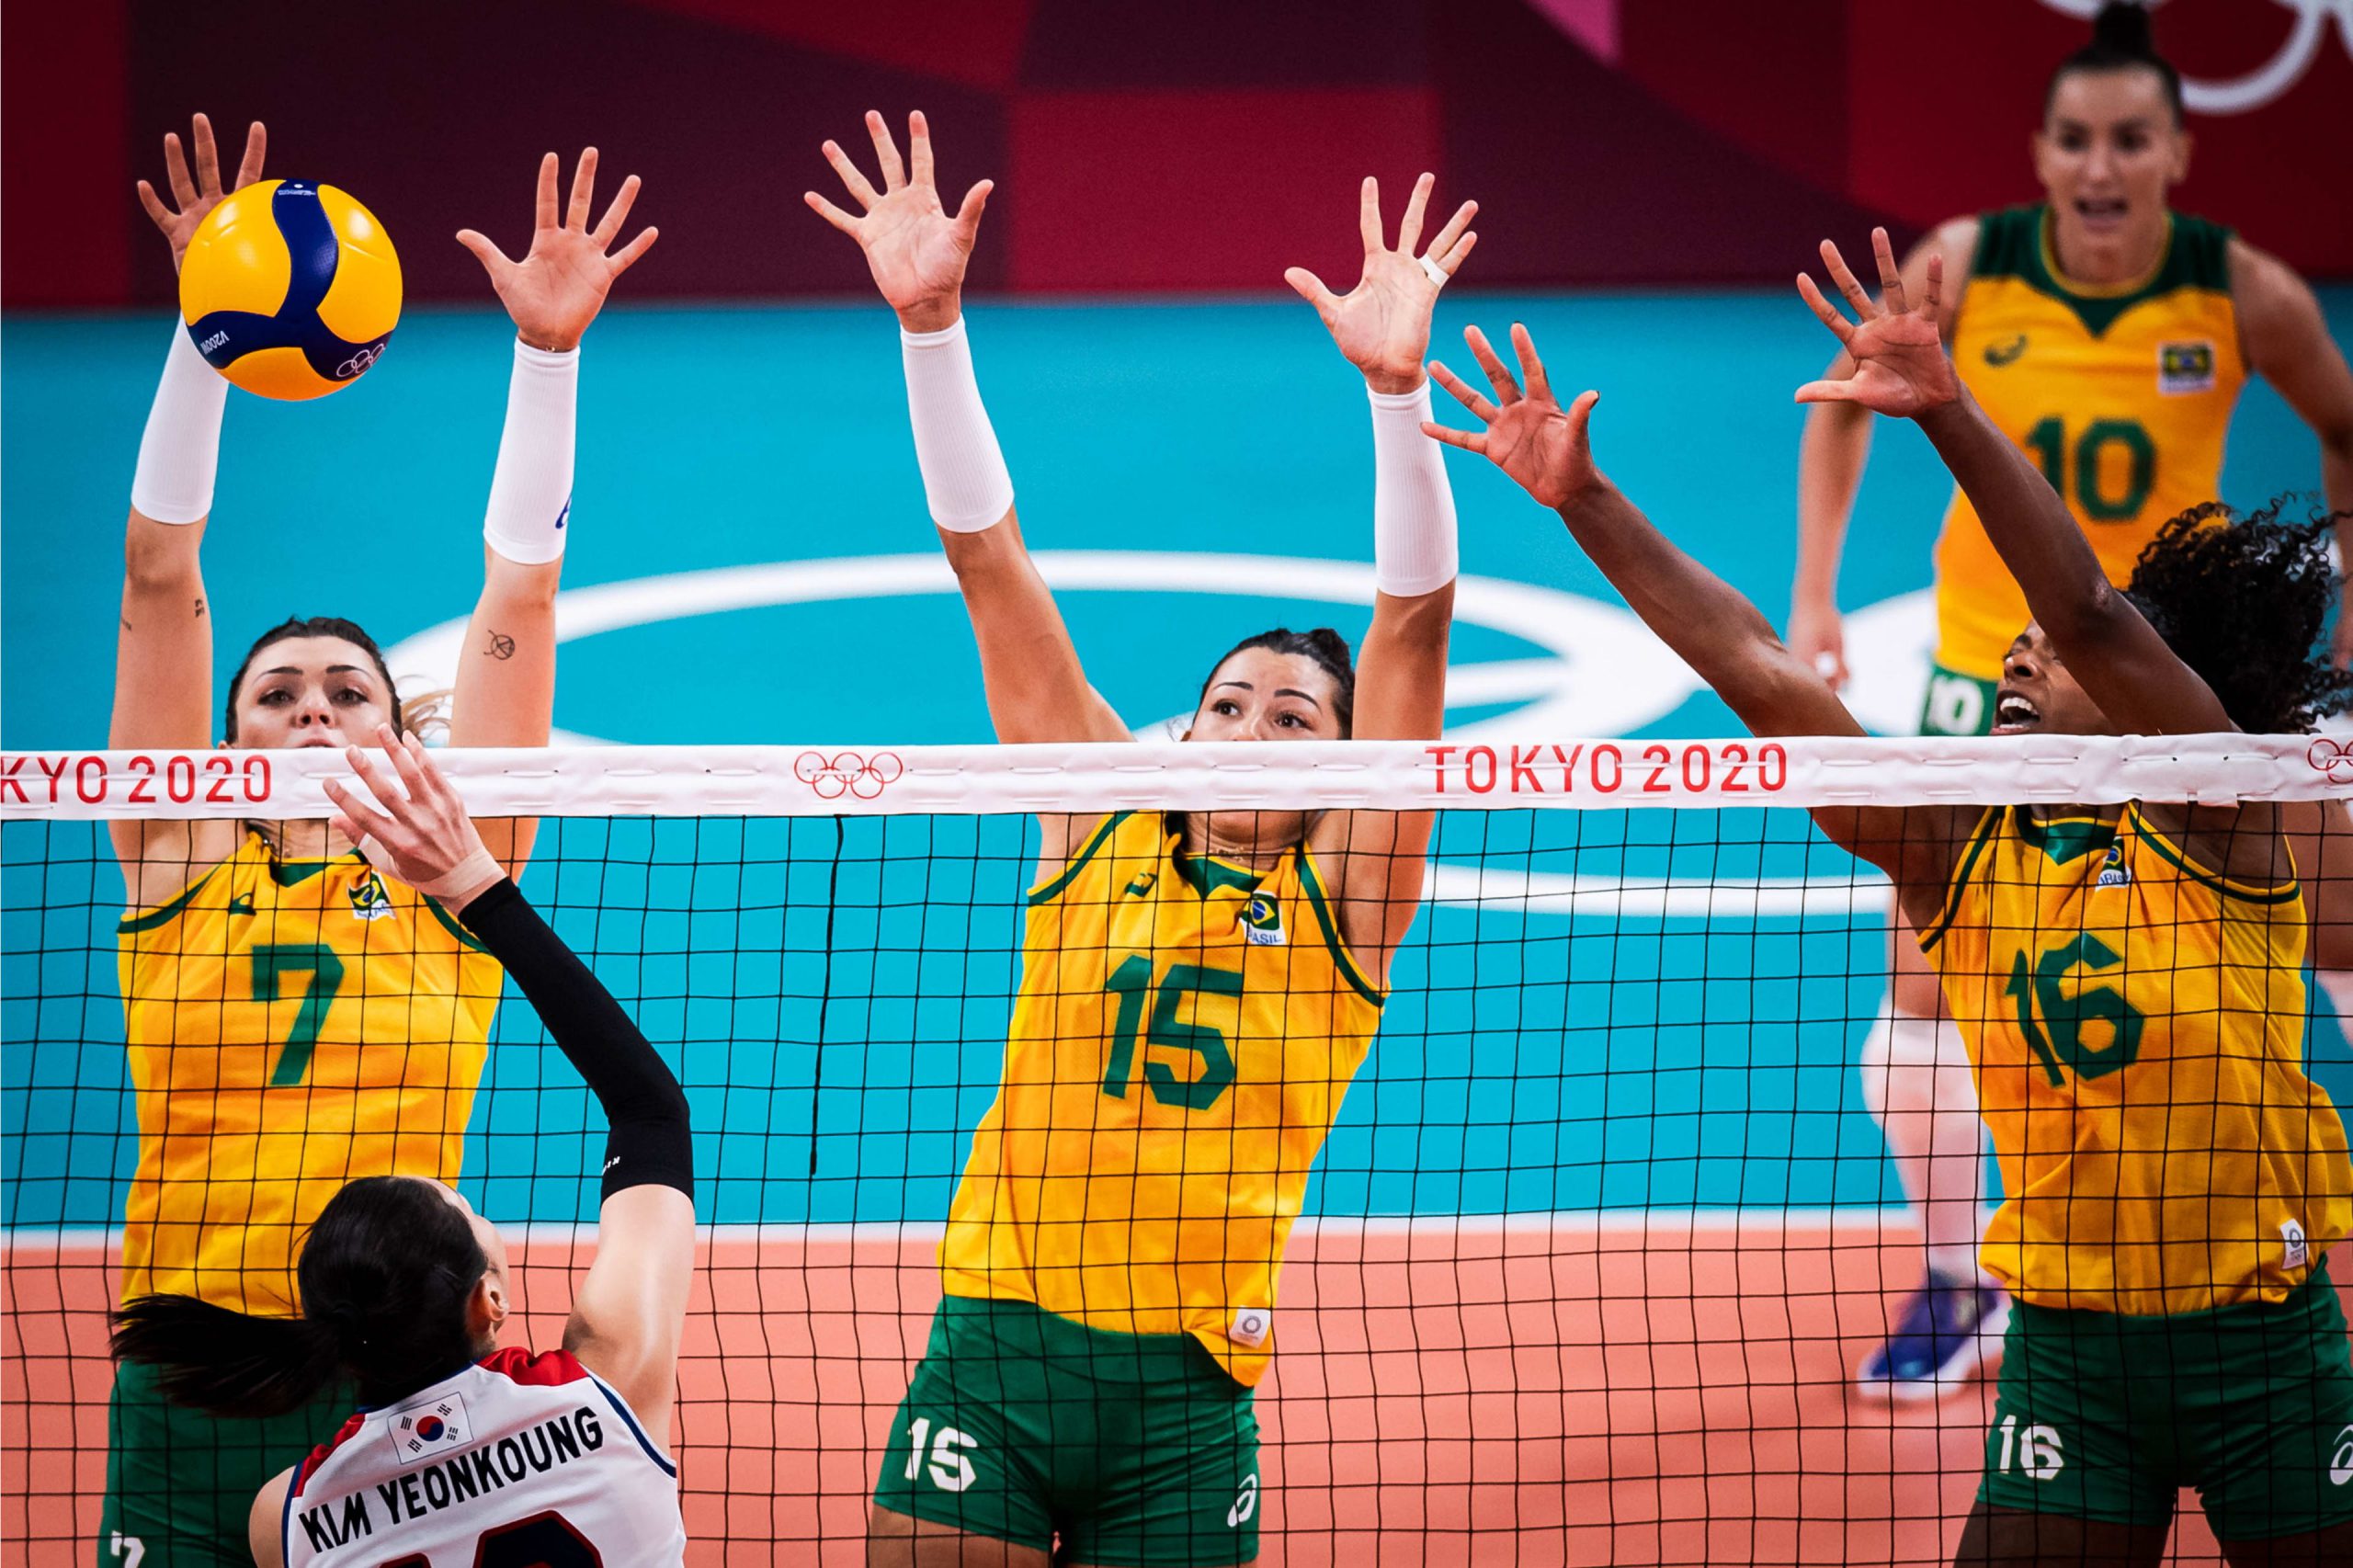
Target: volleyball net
(1583, 1265)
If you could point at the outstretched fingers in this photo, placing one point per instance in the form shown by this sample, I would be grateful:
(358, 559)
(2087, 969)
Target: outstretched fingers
(1848, 284)
(583, 191)
(1932, 290)
(544, 209)
(626, 257)
(865, 195)
(1464, 394)
(968, 212)
(207, 158)
(895, 172)
(1507, 389)
(609, 226)
(156, 210)
(1369, 214)
(496, 262)
(257, 144)
(1810, 292)
(1469, 440)
(831, 213)
(1891, 277)
(919, 148)
(1409, 227)
(1311, 288)
(1531, 367)
(1452, 235)
(176, 173)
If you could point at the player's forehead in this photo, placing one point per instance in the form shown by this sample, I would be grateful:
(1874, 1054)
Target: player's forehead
(314, 657)
(2107, 99)
(1264, 672)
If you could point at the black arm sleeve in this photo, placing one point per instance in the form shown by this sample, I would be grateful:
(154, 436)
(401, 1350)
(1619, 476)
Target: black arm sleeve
(649, 1144)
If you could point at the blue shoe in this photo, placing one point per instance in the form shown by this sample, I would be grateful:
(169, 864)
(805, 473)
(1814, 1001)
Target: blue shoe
(1948, 1330)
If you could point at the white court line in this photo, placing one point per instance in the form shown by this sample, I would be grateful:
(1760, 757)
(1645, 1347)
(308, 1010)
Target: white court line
(1502, 890)
(1747, 1222)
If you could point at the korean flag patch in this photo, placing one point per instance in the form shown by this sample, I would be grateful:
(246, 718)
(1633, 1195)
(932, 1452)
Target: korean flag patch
(424, 1430)
(2185, 368)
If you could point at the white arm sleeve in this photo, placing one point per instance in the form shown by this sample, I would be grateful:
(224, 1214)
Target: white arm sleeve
(964, 477)
(1412, 506)
(180, 453)
(531, 490)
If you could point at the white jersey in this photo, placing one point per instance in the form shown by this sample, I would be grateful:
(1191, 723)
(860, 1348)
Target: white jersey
(520, 1458)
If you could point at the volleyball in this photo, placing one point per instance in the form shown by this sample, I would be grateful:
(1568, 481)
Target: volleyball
(290, 289)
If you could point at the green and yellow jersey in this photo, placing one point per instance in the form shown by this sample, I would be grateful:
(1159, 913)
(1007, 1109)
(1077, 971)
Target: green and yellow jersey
(2123, 395)
(1183, 1035)
(2136, 1023)
(292, 1024)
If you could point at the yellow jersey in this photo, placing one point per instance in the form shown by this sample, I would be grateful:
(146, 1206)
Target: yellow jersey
(2136, 1023)
(2122, 397)
(292, 1025)
(1183, 1035)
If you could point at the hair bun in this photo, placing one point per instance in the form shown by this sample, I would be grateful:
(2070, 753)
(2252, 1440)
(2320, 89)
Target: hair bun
(2122, 28)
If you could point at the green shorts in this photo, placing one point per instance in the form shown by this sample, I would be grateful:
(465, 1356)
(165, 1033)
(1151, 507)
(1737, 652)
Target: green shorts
(180, 1484)
(2105, 1417)
(1956, 704)
(1133, 1450)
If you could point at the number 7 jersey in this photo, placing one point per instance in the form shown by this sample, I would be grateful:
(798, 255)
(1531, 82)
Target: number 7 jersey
(2137, 1025)
(292, 1025)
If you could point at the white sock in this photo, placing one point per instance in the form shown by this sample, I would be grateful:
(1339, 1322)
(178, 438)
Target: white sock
(1917, 1081)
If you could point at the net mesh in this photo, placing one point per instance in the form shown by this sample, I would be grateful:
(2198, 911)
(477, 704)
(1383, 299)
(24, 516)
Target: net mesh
(1583, 1265)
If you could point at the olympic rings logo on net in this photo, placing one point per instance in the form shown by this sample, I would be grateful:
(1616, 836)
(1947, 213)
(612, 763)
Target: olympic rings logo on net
(2332, 757)
(847, 773)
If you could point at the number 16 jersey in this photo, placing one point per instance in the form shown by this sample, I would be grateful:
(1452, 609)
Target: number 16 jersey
(1183, 1034)
(291, 1026)
(2137, 1027)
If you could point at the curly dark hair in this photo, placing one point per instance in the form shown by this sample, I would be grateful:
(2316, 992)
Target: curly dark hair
(2242, 601)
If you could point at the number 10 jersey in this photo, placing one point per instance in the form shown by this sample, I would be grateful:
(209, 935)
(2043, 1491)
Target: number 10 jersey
(1184, 1033)
(292, 1025)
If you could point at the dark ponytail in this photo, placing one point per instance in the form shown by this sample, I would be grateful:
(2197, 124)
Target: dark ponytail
(1327, 648)
(385, 1274)
(2122, 40)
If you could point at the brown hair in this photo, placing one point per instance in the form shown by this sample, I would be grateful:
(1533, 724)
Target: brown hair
(312, 626)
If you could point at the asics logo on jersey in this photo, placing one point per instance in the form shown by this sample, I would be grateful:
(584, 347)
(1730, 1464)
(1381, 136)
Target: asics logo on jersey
(847, 773)
(2331, 758)
(1245, 1505)
(2340, 1463)
(1142, 884)
(242, 905)
(2005, 352)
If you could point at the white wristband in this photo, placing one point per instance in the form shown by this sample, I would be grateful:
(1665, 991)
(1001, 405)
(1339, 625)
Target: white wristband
(964, 477)
(1412, 506)
(180, 453)
(530, 490)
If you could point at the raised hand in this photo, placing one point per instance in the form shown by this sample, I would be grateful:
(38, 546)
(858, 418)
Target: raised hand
(417, 829)
(1900, 364)
(560, 285)
(1529, 435)
(916, 248)
(1382, 324)
(201, 195)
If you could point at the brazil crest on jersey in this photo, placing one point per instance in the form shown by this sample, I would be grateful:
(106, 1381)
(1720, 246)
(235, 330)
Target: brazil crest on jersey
(292, 1025)
(1184, 1033)
(2137, 1024)
(2121, 396)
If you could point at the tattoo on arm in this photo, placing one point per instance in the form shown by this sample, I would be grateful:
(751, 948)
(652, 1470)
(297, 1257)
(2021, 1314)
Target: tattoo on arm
(200, 609)
(501, 646)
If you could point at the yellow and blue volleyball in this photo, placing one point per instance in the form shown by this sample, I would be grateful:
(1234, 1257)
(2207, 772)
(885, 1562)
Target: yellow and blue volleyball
(290, 289)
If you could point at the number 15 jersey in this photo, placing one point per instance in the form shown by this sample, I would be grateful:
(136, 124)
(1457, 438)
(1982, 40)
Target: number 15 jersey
(292, 1025)
(2137, 1027)
(1183, 1034)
